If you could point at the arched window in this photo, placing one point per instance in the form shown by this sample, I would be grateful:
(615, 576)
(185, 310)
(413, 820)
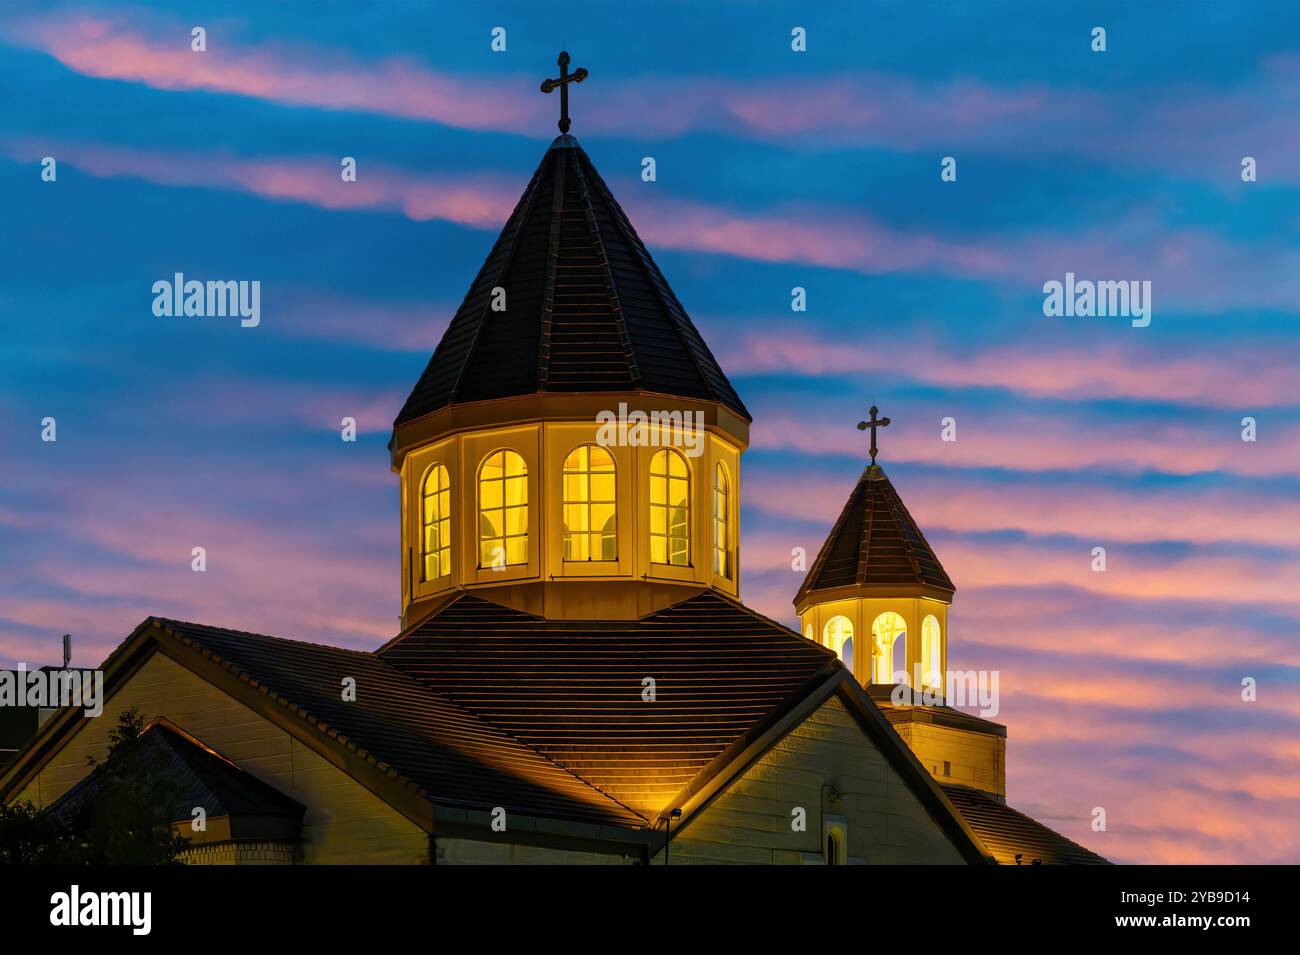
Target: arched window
(931, 652)
(590, 508)
(888, 647)
(838, 636)
(721, 522)
(808, 633)
(503, 510)
(436, 522)
(836, 837)
(670, 509)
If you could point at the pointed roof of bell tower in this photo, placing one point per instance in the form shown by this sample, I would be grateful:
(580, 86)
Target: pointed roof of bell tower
(875, 547)
(875, 544)
(587, 309)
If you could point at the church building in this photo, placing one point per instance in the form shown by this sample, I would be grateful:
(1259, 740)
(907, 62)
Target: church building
(577, 679)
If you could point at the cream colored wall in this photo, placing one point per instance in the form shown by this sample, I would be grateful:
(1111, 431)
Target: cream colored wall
(974, 759)
(544, 447)
(344, 822)
(456, 851)
(863, 611)
(751, 821)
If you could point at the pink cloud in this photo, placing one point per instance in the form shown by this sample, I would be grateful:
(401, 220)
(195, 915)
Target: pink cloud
(251, 402)
(108, 47)
(1104, 514)
(1193, 269)
(393, 326)
(855, 108)
(1227, 378)
(482, 202)
(1030, 442)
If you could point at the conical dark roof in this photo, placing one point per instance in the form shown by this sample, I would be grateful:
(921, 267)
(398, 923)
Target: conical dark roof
(587, 309)
(875, 544)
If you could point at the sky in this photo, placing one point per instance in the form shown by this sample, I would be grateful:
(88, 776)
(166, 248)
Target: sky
(775, 169)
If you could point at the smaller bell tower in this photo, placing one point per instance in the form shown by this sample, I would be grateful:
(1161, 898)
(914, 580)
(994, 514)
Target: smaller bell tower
(877, 594)
(878, 597)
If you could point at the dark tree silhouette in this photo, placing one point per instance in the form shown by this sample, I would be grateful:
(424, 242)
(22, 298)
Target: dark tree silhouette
(120, 815)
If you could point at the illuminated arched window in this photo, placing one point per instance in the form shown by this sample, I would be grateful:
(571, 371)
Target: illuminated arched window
(590, 508)
(670, 509)
(436, 523)
(838, 636)
(503, 510)
(721, 522)
(931, 652)
(888, 647)
(808, 633)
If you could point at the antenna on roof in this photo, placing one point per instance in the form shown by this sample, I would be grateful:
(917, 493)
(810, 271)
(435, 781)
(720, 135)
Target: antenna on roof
(67, 650)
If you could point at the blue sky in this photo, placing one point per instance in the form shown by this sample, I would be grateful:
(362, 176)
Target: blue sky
(775, 169)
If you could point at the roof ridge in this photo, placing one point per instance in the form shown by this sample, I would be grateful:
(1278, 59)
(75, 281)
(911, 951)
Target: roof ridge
(823, 554)
(740, 605)
(912, 522)
(552, 266)
(252, 633)
(634, 369)
(645, 262)
(517, 218)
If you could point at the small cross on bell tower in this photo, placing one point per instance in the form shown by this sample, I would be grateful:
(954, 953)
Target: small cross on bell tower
(577, 76)
(873, 423)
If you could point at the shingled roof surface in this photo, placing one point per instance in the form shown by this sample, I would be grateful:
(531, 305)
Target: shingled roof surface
(573, 689)
(458, 759)
(875, 541)
(586, 310)
(202, 779)
(1006, 832)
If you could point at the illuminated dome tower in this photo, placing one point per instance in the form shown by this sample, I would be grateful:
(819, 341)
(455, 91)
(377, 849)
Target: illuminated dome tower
(572, 446)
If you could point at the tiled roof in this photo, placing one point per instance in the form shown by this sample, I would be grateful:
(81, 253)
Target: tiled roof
(456, 758)
(586, 310)
(573, 689)
(1006, 832)
(875, 542)
(202, 779)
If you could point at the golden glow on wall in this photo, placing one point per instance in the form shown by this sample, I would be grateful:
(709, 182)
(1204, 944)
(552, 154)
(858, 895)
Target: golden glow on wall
(721, 522)
(670, 509)
(503, 510)
(436, 522)
(590, 505)
(888, 641)
(931, 652)
(838, 636)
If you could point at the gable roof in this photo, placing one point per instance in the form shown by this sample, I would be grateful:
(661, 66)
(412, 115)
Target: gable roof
(202, 779)
(414, 749)
(573, 690)
(875, 544)
(1007, 832)
(587, 309)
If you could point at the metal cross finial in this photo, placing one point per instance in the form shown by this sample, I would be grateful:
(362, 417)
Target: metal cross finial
(577, 76)
(873, 423)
